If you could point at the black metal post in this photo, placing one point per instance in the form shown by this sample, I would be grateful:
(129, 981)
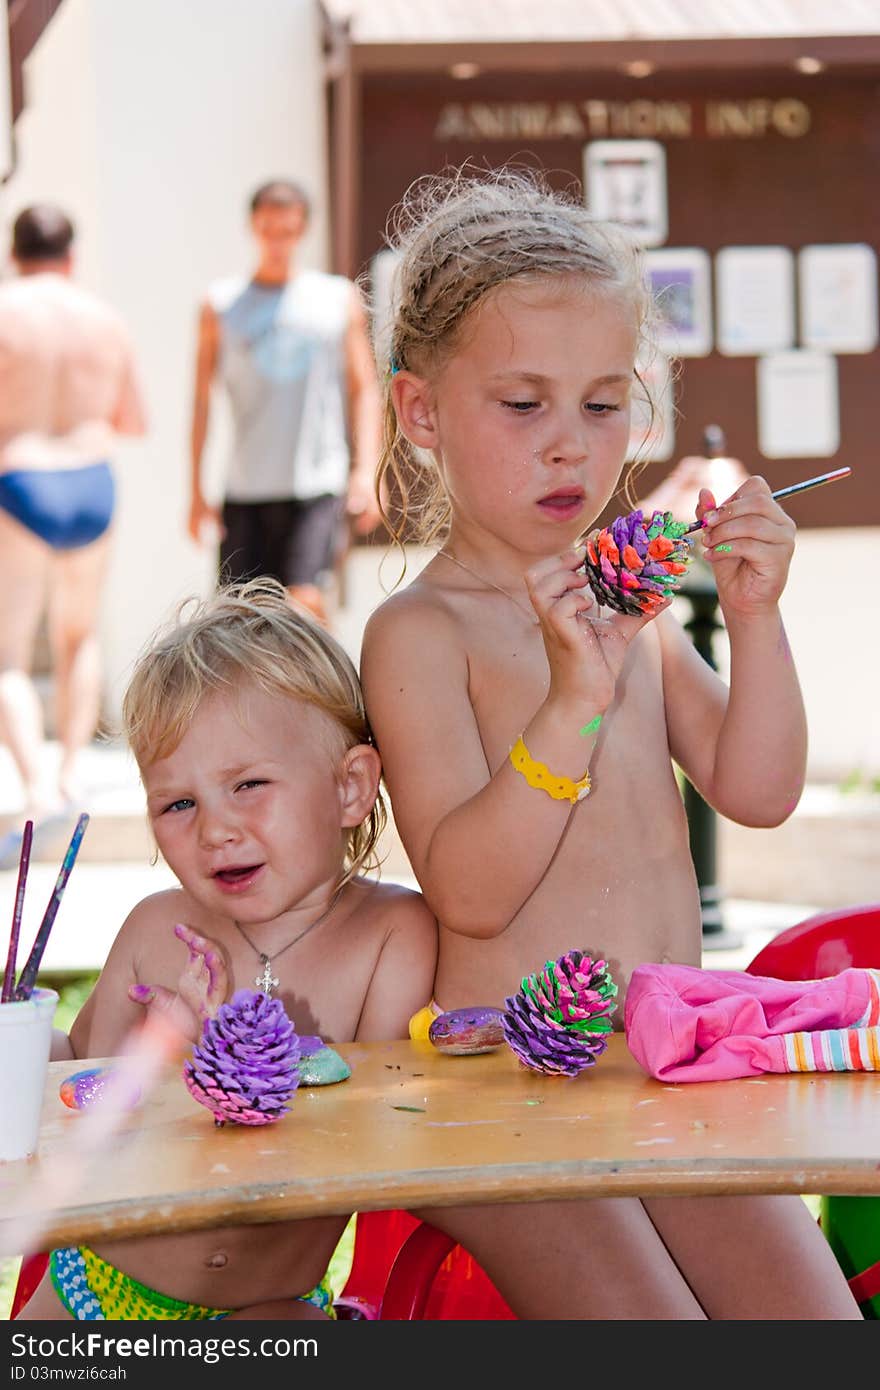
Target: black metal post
(699, 589)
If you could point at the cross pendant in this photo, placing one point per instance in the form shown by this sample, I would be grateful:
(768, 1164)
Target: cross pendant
(265, 981)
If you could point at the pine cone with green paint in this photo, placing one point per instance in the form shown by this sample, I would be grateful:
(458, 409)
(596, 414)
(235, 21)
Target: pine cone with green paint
(560, 1020)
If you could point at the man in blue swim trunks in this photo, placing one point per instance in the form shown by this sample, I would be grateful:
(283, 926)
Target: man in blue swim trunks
(68, 386)
(291, 348)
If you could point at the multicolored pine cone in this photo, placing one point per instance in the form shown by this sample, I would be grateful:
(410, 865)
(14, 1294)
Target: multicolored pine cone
(560, 1020)
(634, 564)
(245, 1068)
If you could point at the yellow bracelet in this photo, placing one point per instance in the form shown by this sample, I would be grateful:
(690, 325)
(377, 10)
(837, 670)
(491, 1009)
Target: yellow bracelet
(537, 775)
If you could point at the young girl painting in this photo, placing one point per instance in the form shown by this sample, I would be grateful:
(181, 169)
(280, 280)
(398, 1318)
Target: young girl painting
(528, 736)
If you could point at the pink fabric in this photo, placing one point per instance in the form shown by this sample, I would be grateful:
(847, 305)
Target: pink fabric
(687, 1024)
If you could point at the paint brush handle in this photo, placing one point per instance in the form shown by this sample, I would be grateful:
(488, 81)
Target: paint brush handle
(24, 860)
(795, 487)
(28, 977)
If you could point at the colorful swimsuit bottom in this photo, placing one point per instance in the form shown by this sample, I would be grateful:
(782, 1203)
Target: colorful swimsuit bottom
(65, 507)
(92, 1290)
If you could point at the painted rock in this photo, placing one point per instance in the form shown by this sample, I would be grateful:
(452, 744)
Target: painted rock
(322, 1067)
(466, 1032)
(84, 1088)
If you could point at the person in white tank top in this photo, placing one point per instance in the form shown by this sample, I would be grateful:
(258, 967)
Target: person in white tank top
(291, 349)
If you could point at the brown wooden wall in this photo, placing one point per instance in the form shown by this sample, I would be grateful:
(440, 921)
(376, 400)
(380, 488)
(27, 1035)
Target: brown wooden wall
(823, 186)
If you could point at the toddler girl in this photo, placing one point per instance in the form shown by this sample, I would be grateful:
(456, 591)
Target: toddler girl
(262, 783)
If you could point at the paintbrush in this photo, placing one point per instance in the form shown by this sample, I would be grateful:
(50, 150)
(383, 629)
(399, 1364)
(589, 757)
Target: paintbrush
(795, 487)
(28, 977)
(23, 863)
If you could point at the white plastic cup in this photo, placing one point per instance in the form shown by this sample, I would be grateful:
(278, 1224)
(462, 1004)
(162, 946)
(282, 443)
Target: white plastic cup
(25, 1043)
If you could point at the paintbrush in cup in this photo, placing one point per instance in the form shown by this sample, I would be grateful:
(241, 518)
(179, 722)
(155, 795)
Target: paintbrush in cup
(28, 977)
(24, 861)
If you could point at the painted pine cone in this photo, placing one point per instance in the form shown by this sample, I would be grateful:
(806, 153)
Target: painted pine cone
(245, 1068)
(637, 562)
(560, 1020)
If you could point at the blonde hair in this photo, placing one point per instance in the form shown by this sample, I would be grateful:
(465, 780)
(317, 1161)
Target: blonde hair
(459, 237)
(247, 634)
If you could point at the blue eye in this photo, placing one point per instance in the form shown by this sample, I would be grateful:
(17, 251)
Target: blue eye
(521, 407)
(251, 782)
(182, 804)
(601, 407)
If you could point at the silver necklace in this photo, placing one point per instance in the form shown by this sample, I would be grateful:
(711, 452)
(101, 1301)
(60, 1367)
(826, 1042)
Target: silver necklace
(266, 981)
(530, 614)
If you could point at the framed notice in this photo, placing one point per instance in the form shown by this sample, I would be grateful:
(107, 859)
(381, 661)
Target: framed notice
(754, 289)
(838, 297)
(652, 419)
(625, 182)
(681, 283)
(798, 412)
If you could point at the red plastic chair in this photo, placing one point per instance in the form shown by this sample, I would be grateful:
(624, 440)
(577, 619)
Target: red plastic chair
(824, 945)
(33, 1267)
(433, 1279)
(378, 1237)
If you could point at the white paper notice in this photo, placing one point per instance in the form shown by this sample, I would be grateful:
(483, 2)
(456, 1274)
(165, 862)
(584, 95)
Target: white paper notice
(798, 414)
(681, 283)
(625, 182)
(755, 294)
(838, 292)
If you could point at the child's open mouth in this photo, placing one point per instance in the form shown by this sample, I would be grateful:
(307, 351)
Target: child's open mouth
(235, 880)
(562, 505)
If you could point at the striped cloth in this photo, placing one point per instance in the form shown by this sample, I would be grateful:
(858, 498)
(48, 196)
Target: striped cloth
(856, 1048)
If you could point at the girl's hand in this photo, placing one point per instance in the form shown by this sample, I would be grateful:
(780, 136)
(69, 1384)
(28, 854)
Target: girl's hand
(585, 651)
(749, 542)
(201, 989)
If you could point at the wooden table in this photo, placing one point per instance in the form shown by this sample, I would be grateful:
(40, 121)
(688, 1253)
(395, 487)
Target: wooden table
(413, 1127)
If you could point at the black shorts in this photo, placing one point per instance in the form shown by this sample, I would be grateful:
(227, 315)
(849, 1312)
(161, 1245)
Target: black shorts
(293, 540)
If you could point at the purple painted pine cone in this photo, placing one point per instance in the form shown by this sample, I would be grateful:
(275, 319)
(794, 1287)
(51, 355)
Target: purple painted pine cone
(560, 1020)
(245, 1067)
(637, 562)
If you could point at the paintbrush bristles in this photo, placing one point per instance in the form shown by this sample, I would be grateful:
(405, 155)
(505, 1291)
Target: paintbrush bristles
(24, 860)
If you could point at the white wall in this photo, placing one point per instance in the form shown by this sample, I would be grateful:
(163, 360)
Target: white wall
(151, 121)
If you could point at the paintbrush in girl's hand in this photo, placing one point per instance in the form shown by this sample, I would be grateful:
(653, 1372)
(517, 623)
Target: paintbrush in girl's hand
(23, 862)
(795, 487)
(28, 977)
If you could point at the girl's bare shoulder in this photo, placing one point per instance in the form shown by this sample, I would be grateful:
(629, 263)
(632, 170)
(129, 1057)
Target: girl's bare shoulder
(385, 907)
(415, 634)
(424, 600)
(171, 905)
